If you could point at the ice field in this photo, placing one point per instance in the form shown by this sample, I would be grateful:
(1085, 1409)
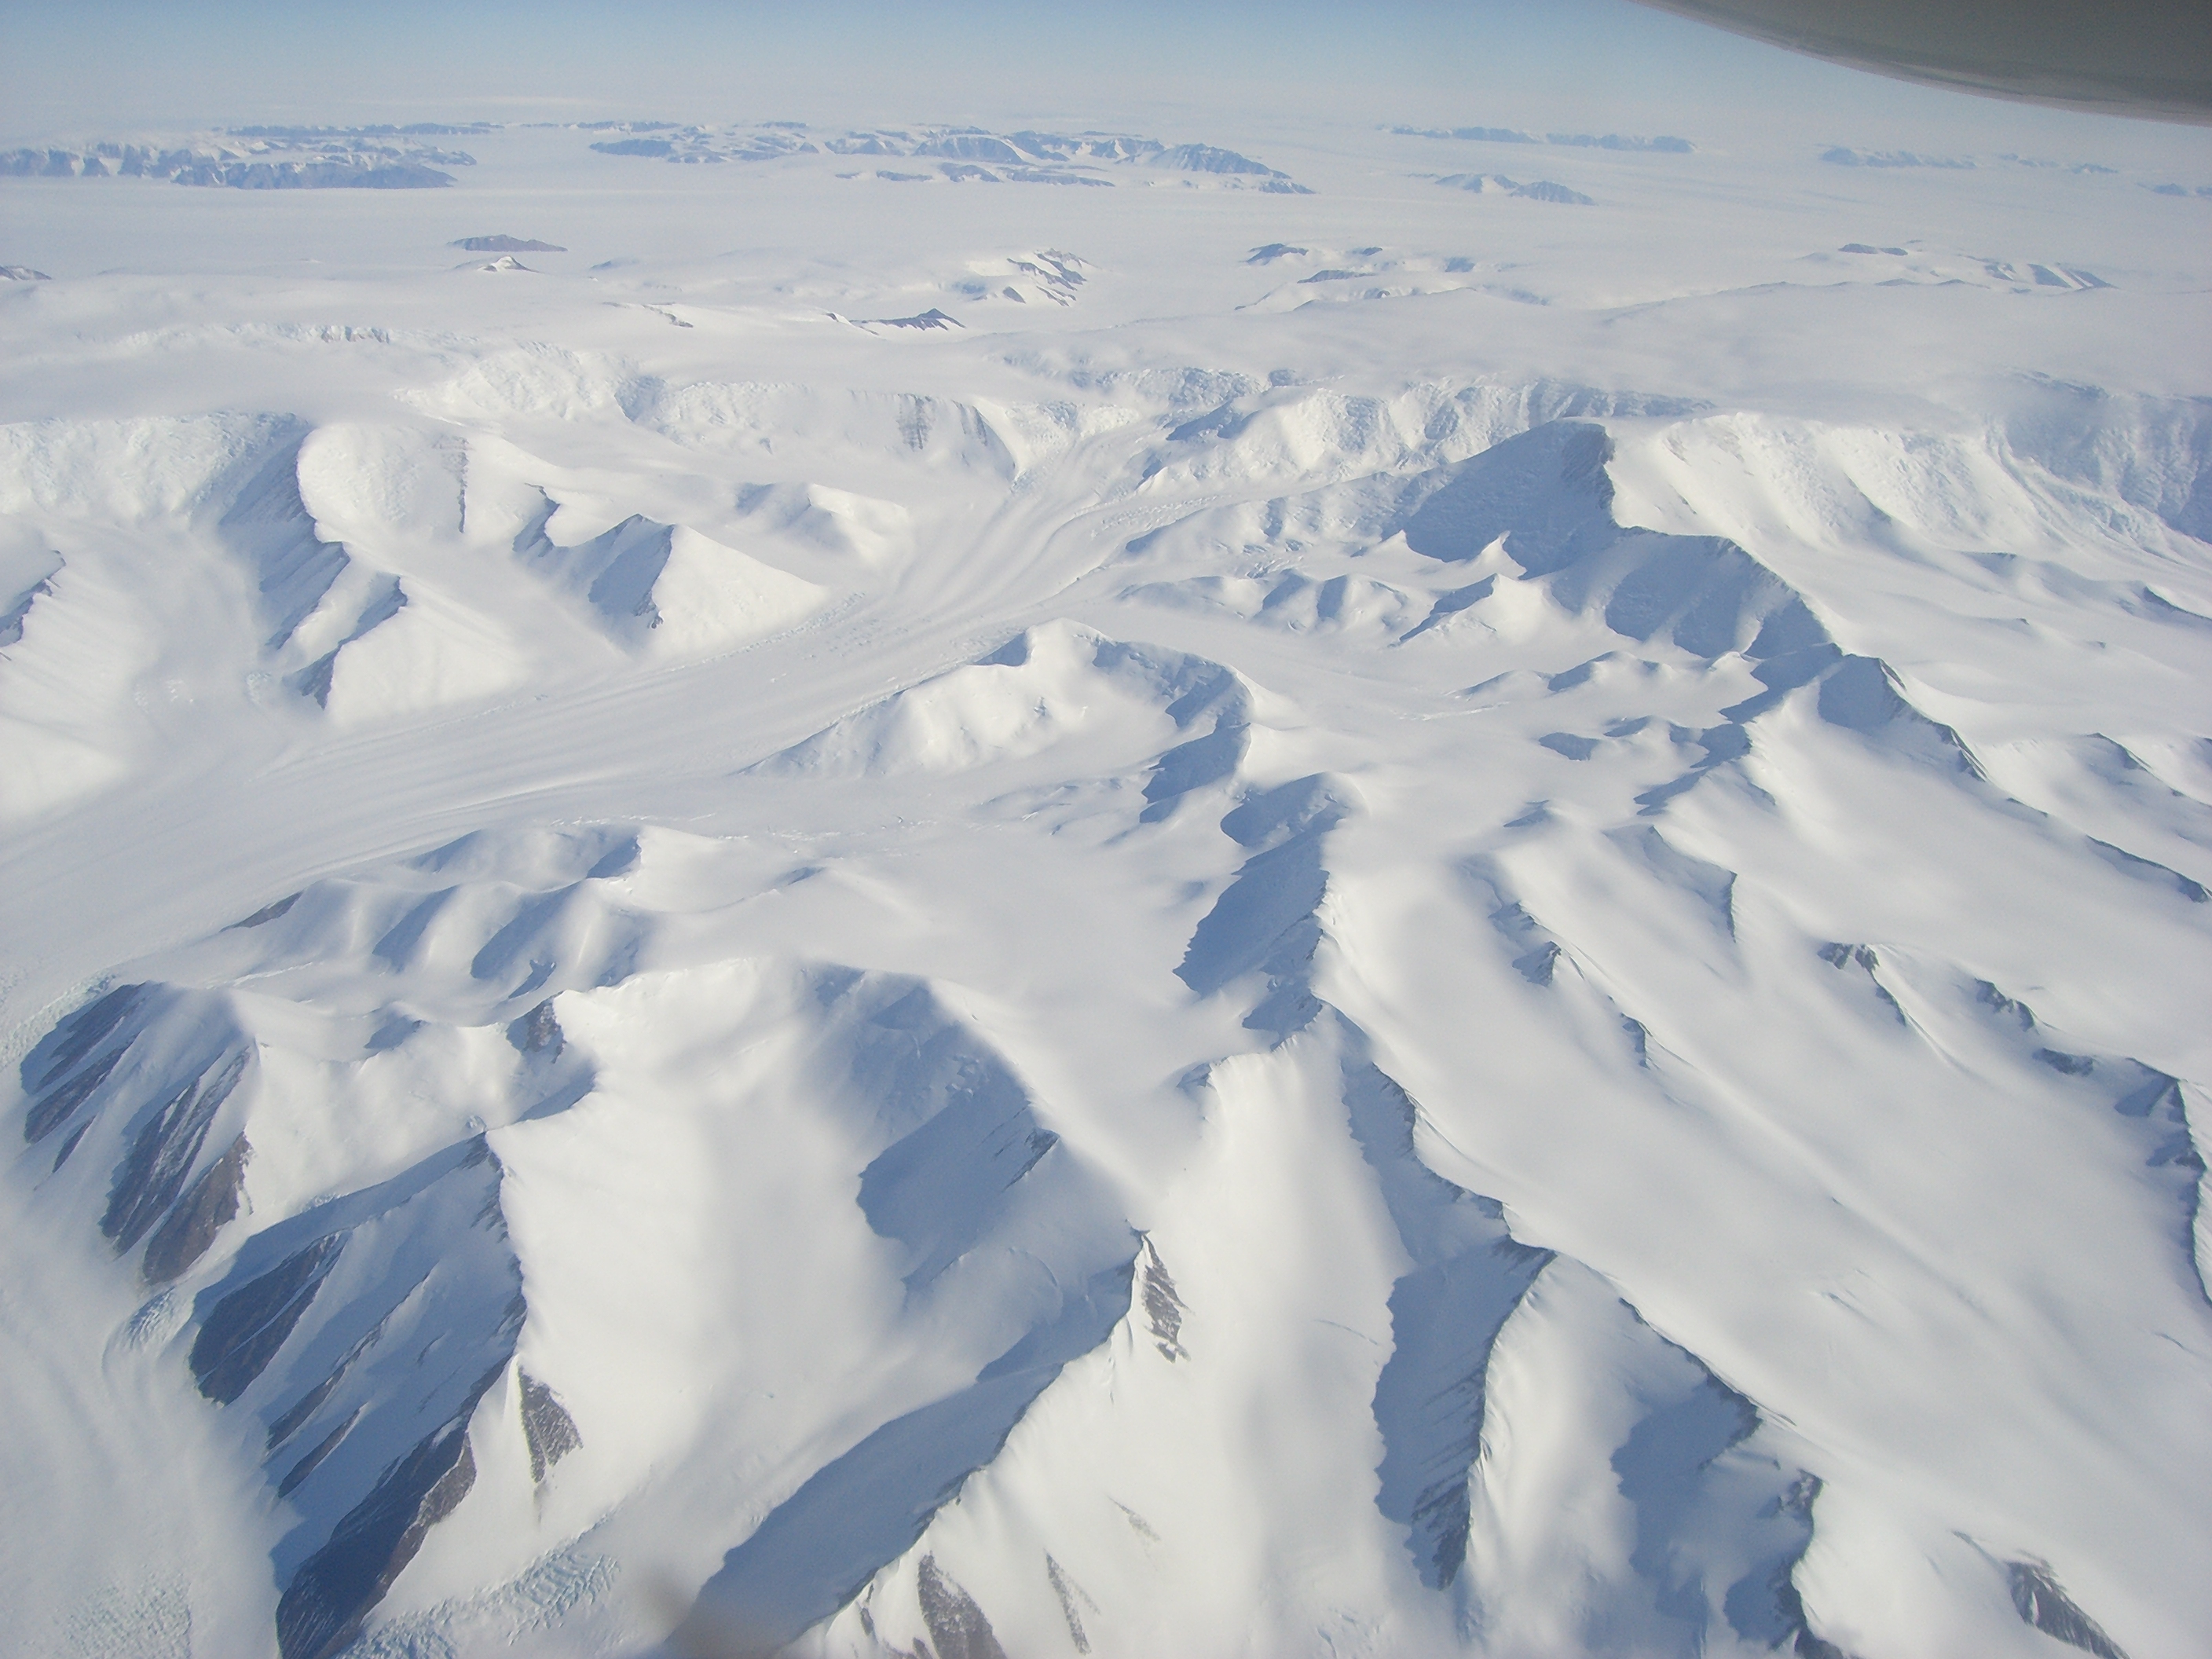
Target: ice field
(1254, 889)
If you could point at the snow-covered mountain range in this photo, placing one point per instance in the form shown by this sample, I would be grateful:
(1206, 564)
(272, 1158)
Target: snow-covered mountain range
(1391, 920)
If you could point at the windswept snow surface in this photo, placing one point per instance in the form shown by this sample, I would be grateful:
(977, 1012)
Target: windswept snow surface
(1120, 922)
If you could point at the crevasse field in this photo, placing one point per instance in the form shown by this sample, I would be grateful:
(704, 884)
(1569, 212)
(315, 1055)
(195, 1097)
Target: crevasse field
(1438, 897)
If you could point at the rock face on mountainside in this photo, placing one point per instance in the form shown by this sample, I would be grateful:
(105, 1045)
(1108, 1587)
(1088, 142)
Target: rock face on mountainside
(922, 978)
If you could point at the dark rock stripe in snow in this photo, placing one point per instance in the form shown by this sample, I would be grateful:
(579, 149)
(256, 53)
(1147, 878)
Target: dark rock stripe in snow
(2040, 1600)
(206, 1208)
(322, 1608)
(547, 1428)
(241, 1335)
(956, 1623)
(154, 1172)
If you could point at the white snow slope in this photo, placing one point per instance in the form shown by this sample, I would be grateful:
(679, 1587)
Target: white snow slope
(1132, 921)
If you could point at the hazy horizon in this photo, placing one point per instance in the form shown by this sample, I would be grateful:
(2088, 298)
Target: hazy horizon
(1587, 64)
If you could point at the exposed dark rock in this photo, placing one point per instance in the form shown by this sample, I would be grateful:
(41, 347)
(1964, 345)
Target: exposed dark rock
(322, 1609)
(306, 1465)
(2004, 1006)
(957, 1625)
(151, 1176)
(267, 912)
(207, 1206)
(2069, 1065)
(247, 1327)
(537, 1032)
(932, 318)
(1164, 1309)
(2036, 1595)
(1069, 1592)
(310, 1402)
(547, 1428)
(69, 1145)
(50, 1113)
(13, 619)
(73, 1037)
(313, 682)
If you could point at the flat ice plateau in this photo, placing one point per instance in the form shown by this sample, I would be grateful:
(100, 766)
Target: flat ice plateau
(832, 904)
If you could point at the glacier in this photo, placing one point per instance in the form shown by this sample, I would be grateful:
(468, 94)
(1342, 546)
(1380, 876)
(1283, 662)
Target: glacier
(1272, 912)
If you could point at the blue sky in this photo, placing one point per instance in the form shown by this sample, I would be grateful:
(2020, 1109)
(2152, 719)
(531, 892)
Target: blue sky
(102, 66)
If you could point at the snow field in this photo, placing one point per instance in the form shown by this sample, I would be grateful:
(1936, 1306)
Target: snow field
(1234, 961)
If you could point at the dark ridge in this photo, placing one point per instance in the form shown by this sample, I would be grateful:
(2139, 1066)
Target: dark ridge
(73, 1037)
(49, 1114)
(313, 682)
(247, 1327)
(307, 1465)
(957, 1625)
(2145, 869)
(2038, 1600)
(308, 1403)
(1840, 956)
(322, 1609)
(2003, 1007)
(13, 619)
(930, 319)
(1539, 965)
(2069, 1065)
(547, 1428)
(70, 1146)
(266, 912)
(150, 1178)
(209, 1205)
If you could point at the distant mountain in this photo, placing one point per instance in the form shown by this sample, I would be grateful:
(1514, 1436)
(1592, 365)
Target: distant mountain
(506, 244)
